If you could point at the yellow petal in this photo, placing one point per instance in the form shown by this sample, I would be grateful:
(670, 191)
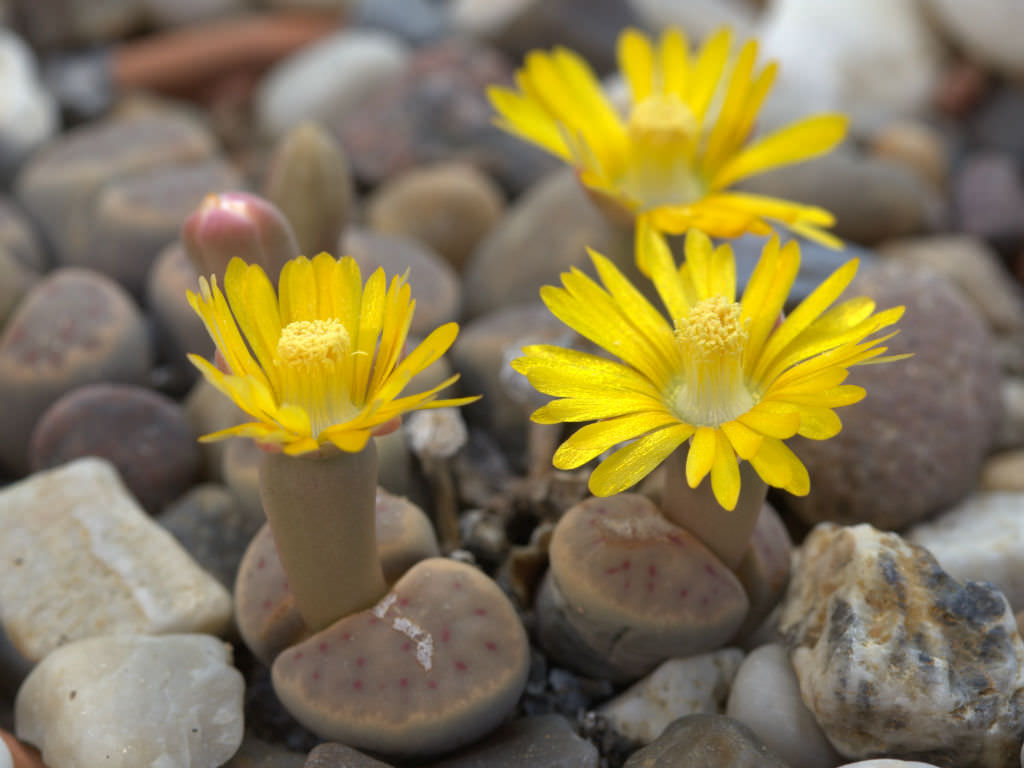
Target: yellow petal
(818, 423)
(254, 305)
(588, 409)
(798, 141)
(773, 462)
(720, 141)
(527, 119)
(772, 419)
(745, 441)
(674, 63)
(654, 254)
(636, 62)
(399, 308)
(296, 291)
(630, 464)
(567, 372)
(592, 440)
(725, 474)
(708, 71)
(701, 455)
(766, 295)
(424, 354)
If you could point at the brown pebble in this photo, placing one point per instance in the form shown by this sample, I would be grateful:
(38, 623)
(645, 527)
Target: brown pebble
(961, 89)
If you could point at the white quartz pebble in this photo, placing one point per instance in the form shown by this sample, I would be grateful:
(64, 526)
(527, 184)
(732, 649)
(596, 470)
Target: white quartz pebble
(132, 700)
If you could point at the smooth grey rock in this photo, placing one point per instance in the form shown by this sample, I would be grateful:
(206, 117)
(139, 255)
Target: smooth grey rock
(897, 658)
(134, 700)
(894, 462)
(974, 267)
(765, 697)
(543, 741)
(981, 539)
(872, 199)
(870, 60)
(700, 19)
(331, 755)
(79, 558)
(332, 76)
(705, 741)
(417, 22)
(152, 447)
(1011, 429)
(985, 29)
(988, 197)
(678, 687)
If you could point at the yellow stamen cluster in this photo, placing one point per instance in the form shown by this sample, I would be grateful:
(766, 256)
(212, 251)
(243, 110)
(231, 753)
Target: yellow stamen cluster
(311, 357)
(712, 338)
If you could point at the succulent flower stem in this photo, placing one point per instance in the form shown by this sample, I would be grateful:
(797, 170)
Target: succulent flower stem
(726, 533)
(321, 509)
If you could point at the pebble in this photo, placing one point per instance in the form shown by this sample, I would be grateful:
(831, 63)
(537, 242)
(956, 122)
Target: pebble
(257, 753)
(1003, 472)
(705, 741)
(60, 185)
(872, 199)
(896, 657)
(988, 197)
(213, 527)
(329, 78)
(434, 283)
(207, 411)
(438, 111)
(28, 113)
(764, 569)
(15, 281)
(975, 268)
(417, 22)
(700, 19)
(150, 445)
(179, 13)
(135, 217)
(546, 232)
(981, 539)
(871, 60)
(240, 470)
(52, 24)
(18, 236)
(449, 207)
(886, 762)
(331, 755)
(765, 697)
(79, 558)
(179, 330)
(134, 700)
(1011, 429)
(73, 328)
(678, 687)
(479, 353)
(984, 29)
(893, 463)
(916, 145)
(16, 754)
(542, 741)
(519, 26)
(993, 124)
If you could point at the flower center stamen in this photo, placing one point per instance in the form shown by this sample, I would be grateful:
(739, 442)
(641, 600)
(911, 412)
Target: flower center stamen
(663, 136)
(311, 360)
(712, 338)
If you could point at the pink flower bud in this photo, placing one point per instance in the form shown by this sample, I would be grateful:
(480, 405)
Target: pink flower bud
(239, 224)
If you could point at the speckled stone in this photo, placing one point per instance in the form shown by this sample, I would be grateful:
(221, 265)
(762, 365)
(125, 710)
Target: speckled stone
(79, 558)
(705, 741)
(896, 658)
(543, 741)
(144, 434)
(982, 539)
(436, 112)
(894, 462)
(74, 328)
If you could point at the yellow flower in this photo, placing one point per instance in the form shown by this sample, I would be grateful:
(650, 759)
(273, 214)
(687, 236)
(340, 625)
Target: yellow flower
(326, 363)
(723, 374)
(684, 141)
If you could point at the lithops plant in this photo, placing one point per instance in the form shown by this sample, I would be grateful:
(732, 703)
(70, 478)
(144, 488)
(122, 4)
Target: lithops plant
(264, 605)
(627, 589)
(438, 662)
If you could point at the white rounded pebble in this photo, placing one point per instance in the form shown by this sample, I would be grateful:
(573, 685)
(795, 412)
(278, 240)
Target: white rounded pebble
(6, 761)
(28, 114)
(887, 762)
(122, 702)
(765, 697)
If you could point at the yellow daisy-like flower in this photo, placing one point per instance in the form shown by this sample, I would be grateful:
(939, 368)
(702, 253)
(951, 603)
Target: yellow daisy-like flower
(326, 363)
(723, 374)
(684, 141)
